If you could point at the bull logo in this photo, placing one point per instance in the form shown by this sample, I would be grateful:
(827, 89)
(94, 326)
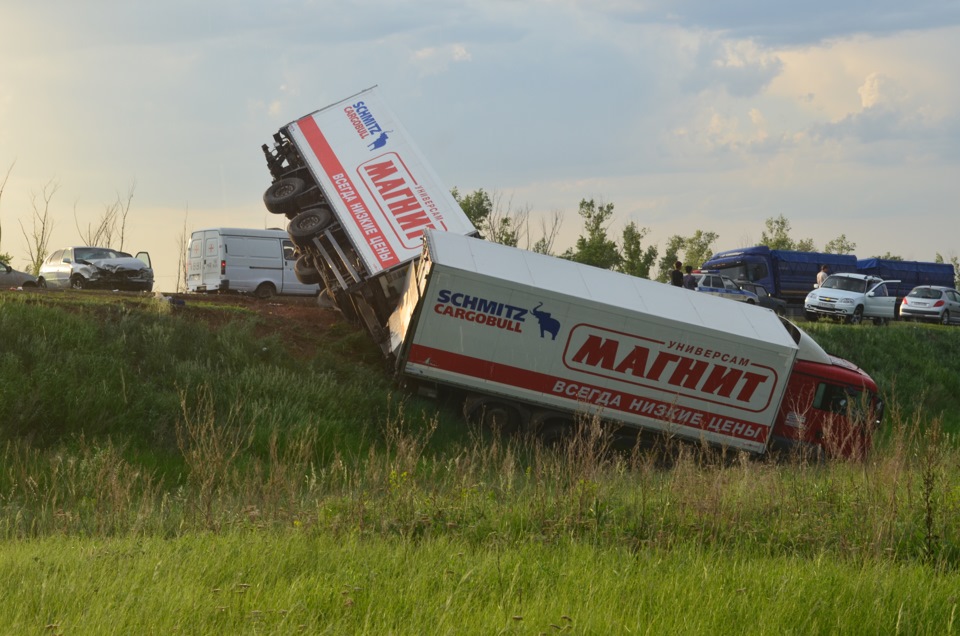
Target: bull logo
(548, 324)
(380, 141)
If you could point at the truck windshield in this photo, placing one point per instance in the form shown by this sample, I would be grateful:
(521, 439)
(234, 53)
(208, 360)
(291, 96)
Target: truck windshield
(741, 270)
(856, 405)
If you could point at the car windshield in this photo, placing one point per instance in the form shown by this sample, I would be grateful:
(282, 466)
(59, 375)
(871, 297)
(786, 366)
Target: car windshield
(924, 292)
(845, 283)
(96, 253)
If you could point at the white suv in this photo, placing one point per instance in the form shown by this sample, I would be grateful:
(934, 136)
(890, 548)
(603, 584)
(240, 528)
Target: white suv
(851, 298)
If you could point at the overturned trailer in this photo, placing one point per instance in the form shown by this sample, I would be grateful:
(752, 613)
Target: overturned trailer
(359, 195)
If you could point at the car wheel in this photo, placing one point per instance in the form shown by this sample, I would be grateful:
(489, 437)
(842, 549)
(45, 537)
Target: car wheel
(750, 301)
(945, 317)
(41, 283)
(265, 291)
(879, 322)
(308, 224)
(857, 316)
(281, 196)
(77, 282)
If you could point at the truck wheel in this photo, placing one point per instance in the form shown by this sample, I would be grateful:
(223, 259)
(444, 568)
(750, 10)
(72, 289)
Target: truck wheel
(308, 224)
(857, 316)
(305, 272)
(345, 304)
(281, 196)
(265, 290)
(499, 418)
(555, 434)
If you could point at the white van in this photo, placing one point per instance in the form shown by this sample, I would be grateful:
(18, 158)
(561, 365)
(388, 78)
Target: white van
(259, 262)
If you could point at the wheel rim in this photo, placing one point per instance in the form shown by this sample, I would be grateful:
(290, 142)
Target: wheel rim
(945, 318)
(285, 190)
(311, 222)
(857, 316)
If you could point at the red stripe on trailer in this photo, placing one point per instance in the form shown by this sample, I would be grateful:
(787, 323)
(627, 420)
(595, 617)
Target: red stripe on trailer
(358, 210)
(670, 413)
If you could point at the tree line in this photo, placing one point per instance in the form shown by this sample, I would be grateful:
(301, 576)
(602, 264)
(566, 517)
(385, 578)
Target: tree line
(502, 223)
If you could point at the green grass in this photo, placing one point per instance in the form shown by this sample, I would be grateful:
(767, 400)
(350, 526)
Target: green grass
(204, 480)
(307, 582)
(916, 366)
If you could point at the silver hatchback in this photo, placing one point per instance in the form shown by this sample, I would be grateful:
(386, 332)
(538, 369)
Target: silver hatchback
(931, 302)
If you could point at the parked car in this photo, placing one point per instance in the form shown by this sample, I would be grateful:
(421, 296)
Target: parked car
(718, 285)
(97, 268)
(12, 279)
(932, 302)
(763, 298)
(852, 298)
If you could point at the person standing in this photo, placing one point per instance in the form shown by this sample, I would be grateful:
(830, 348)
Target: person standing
(689, 280)
(822, 276)
(676, 276)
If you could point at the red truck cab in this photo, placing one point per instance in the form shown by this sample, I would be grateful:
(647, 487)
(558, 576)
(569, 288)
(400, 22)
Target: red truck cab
(831, 407)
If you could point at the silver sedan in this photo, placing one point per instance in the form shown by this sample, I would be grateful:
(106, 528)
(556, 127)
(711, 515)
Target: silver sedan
(930, 302)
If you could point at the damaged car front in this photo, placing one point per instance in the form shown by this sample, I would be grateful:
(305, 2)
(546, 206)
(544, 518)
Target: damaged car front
(97, 268)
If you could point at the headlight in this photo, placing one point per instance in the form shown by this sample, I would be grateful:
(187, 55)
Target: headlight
(811, 297)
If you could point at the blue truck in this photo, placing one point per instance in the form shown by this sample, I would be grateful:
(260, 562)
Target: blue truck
(784, 274)
(909, 273)
(791, 275)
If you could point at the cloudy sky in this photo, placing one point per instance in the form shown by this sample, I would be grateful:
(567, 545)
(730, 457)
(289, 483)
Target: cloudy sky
(844, 116)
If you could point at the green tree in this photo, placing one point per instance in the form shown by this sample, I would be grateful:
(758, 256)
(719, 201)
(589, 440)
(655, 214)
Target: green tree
(956, 268)
(777, 236)
(698, 248)
(595, 248)
(839, 245)
(889, 257)
(478, 206)
(495, 222)
(671, 255)
(636, 260)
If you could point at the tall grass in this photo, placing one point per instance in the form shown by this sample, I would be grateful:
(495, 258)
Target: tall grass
(225, 450)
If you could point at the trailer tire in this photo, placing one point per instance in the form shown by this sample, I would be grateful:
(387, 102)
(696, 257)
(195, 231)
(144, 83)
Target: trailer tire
(305, 272)
(308, 225)
(281, 196)
(344, 303)
(555, 434)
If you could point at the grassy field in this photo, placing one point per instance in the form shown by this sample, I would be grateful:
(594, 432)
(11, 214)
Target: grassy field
(194, 470)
